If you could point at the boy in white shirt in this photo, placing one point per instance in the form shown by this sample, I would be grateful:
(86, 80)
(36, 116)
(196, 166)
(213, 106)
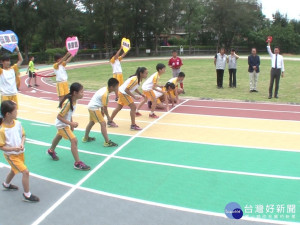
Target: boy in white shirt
(100, 100)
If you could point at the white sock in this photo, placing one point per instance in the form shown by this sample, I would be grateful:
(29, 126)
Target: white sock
(28, 194)
(5, 184)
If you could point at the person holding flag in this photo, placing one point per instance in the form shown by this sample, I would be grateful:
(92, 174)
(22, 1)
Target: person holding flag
(276, 70)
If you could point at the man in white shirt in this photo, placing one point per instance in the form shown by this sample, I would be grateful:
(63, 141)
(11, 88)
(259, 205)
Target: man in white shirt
(276, 71)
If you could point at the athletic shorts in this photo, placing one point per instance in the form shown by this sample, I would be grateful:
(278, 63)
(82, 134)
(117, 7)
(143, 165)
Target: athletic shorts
(96, 116)
(13, 98)
(66, 133)
(124, 99)
(32, 74)
(62, 88)
(17, 162)
(149, 94)
(119, 77)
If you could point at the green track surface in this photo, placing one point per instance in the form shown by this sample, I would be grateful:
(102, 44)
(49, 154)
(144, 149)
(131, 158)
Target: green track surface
(190, 188)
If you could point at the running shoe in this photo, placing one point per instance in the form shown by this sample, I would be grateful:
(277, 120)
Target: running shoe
(11, 187)
(29, 86)
(111, 124)
(135, 127)
(90, 139)
(153, 116)
(110, 144)
(32, 198)
(81, 166)
(36, 85)
(149, 104)
(138, 114)
(53, 154)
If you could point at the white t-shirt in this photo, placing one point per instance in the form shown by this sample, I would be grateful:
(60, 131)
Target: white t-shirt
(131, 83)
(158, 94)
(148, 84)
(116, 65)
(66, 113)
(8, 81)
(60, 72)
(99, 99)
(11, 136)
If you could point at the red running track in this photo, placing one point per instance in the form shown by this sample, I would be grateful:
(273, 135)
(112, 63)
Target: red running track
(47, 90)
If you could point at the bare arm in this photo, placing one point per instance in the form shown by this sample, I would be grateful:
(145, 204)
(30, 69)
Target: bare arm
(106, 112)
(118, 53)
(130, 94)
(64, 58)
(125, 53)
(71, 123)
(137, 91)
(69, 59)
(20, 58)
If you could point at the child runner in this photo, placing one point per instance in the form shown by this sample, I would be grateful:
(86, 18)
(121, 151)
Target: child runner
(150, 85)
(12, 139)
(115, 62)
(126, 96)
(175, 93)
(64, 122)
(163, 97)
(100, 100)
(61, 74)
(8, 85)
(31, 69)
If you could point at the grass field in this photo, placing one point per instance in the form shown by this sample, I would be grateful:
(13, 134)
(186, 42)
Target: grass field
(200, 79)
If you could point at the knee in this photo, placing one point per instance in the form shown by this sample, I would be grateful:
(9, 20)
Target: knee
(103, 124)
(25, 173)
(74, 141)
(133, 107)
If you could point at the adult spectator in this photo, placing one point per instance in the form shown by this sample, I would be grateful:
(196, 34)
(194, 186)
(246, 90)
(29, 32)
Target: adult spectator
(254, 63)
(276, 70)
(232, 60)
(220, 64)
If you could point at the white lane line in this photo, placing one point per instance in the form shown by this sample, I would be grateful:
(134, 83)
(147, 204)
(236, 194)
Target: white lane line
(40, 125)
(229, 128)
(42, 112)
(241, 109)
(145, 202)
(174, 165)
(237, 117)
(244, 102)
(179, 208)
(65, 196)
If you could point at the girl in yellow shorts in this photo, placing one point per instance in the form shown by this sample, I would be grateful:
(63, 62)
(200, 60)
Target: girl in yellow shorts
(115, 61)
(126, 96)
(64, 122)
(12, 139)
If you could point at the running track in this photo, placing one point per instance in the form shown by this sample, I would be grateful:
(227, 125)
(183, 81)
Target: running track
(47, 90)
